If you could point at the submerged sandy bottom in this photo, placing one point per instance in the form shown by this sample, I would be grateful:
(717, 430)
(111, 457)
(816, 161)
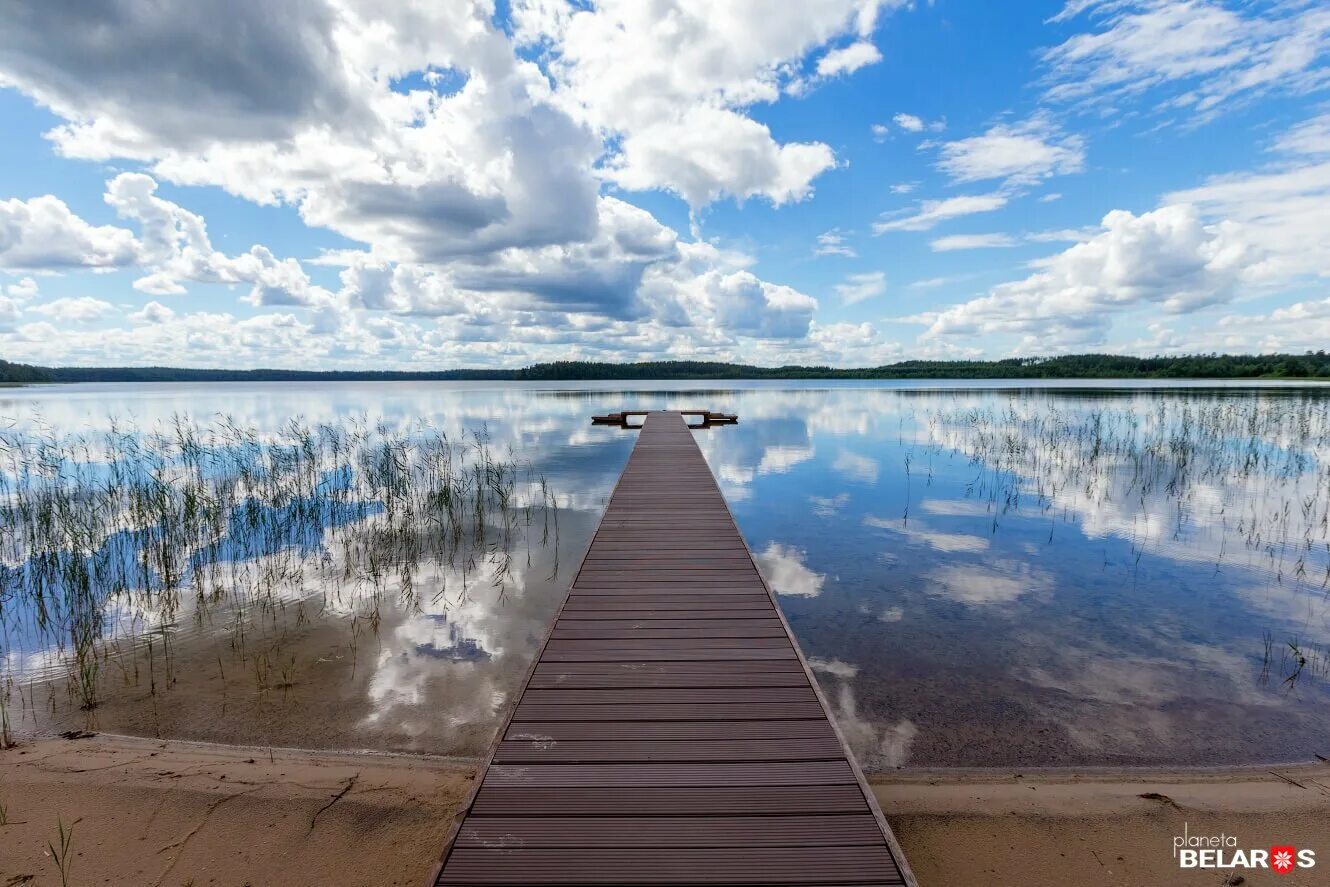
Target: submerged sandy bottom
(173, 813)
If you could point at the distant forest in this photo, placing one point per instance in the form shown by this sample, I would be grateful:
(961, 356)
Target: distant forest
(1073, 366)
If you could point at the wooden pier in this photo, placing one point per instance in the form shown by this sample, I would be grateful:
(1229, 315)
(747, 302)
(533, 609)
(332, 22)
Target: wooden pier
(670, 732)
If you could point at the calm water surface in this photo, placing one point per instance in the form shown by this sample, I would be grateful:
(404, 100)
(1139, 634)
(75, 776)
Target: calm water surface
(1067, 574)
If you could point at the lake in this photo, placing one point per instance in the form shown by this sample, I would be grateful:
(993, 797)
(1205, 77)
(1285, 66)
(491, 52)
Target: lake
(1012, 575)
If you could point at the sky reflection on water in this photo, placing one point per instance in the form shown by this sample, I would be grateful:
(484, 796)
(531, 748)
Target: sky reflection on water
(1034, 576)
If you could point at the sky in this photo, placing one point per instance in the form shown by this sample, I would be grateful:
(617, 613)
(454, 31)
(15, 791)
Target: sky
(369, 184)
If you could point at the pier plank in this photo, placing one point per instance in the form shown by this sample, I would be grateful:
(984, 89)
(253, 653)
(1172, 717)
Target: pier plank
(670, 731)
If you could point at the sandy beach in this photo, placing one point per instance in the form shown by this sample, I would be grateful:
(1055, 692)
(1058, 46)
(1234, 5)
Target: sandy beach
(1101, 827)
(149, 812)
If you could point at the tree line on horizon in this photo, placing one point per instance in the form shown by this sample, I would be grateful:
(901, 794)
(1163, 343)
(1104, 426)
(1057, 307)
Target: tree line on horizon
(1072, 366)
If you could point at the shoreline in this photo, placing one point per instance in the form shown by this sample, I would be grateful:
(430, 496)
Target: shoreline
(907, 774)
(173, 812)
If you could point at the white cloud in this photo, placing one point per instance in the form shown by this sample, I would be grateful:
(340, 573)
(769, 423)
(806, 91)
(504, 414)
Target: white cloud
(848, 344)
(223, 63)
(709, 153)
(826, 506)
(848, 59)
(932, 212)
(175, 247)
(492, 165)
(856, 467)
(877, 746)
(916, 533)
(915, 124)
(1020, 154)
(833, 667)
(832, 243)
(83, 309)
(880, 131)
(1063, 235)
(859, 287)
(971, 241)
(786, 572)
(1205, 57)
(1311, 138)
(904, 187)
(1285, 210)
(25, 289)
(42, 234)
(744, 304)
(1170, 258)
(909, 122)
(468, 161)
(153, 312)
(780, 459)
(673, 80)
(1284, 213)
(975, 585)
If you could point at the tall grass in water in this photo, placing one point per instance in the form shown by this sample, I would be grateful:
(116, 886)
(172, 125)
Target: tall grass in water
(1222, 480)
(1255, 469)
(139, 523)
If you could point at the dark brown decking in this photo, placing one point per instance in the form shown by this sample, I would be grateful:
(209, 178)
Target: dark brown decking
(670, 731)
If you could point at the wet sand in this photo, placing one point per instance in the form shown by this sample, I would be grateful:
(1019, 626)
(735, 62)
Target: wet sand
(173, 813)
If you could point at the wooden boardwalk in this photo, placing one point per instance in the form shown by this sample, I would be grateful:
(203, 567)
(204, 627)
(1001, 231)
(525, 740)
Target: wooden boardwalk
(670, 731)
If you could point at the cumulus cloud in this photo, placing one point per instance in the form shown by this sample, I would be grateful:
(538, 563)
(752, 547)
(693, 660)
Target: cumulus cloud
(25, 289)
(249, 69)
(82, 309)
(848, 59)
(749, 306)
(1170, 258)
(175, 247)
(420, 173)
(930, 213)
(786, 572)
(42, 234)
(1285, 209)
(153, 312)
(980, 585)
(709, 153)
(1021, 154)
(908, 122)
(671, 83)
(469, 161)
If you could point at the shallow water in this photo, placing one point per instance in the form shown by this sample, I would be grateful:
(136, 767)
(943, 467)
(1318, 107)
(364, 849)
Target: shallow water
(1029, 575)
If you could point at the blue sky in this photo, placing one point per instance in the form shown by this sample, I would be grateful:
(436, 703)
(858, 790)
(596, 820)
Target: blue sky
(342, 183)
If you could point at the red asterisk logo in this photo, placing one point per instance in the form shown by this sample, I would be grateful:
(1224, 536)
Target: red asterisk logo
(1281, 859)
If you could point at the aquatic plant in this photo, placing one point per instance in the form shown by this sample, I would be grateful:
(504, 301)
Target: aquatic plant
(1253, 468)
(1242, 477)
(110, 538)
